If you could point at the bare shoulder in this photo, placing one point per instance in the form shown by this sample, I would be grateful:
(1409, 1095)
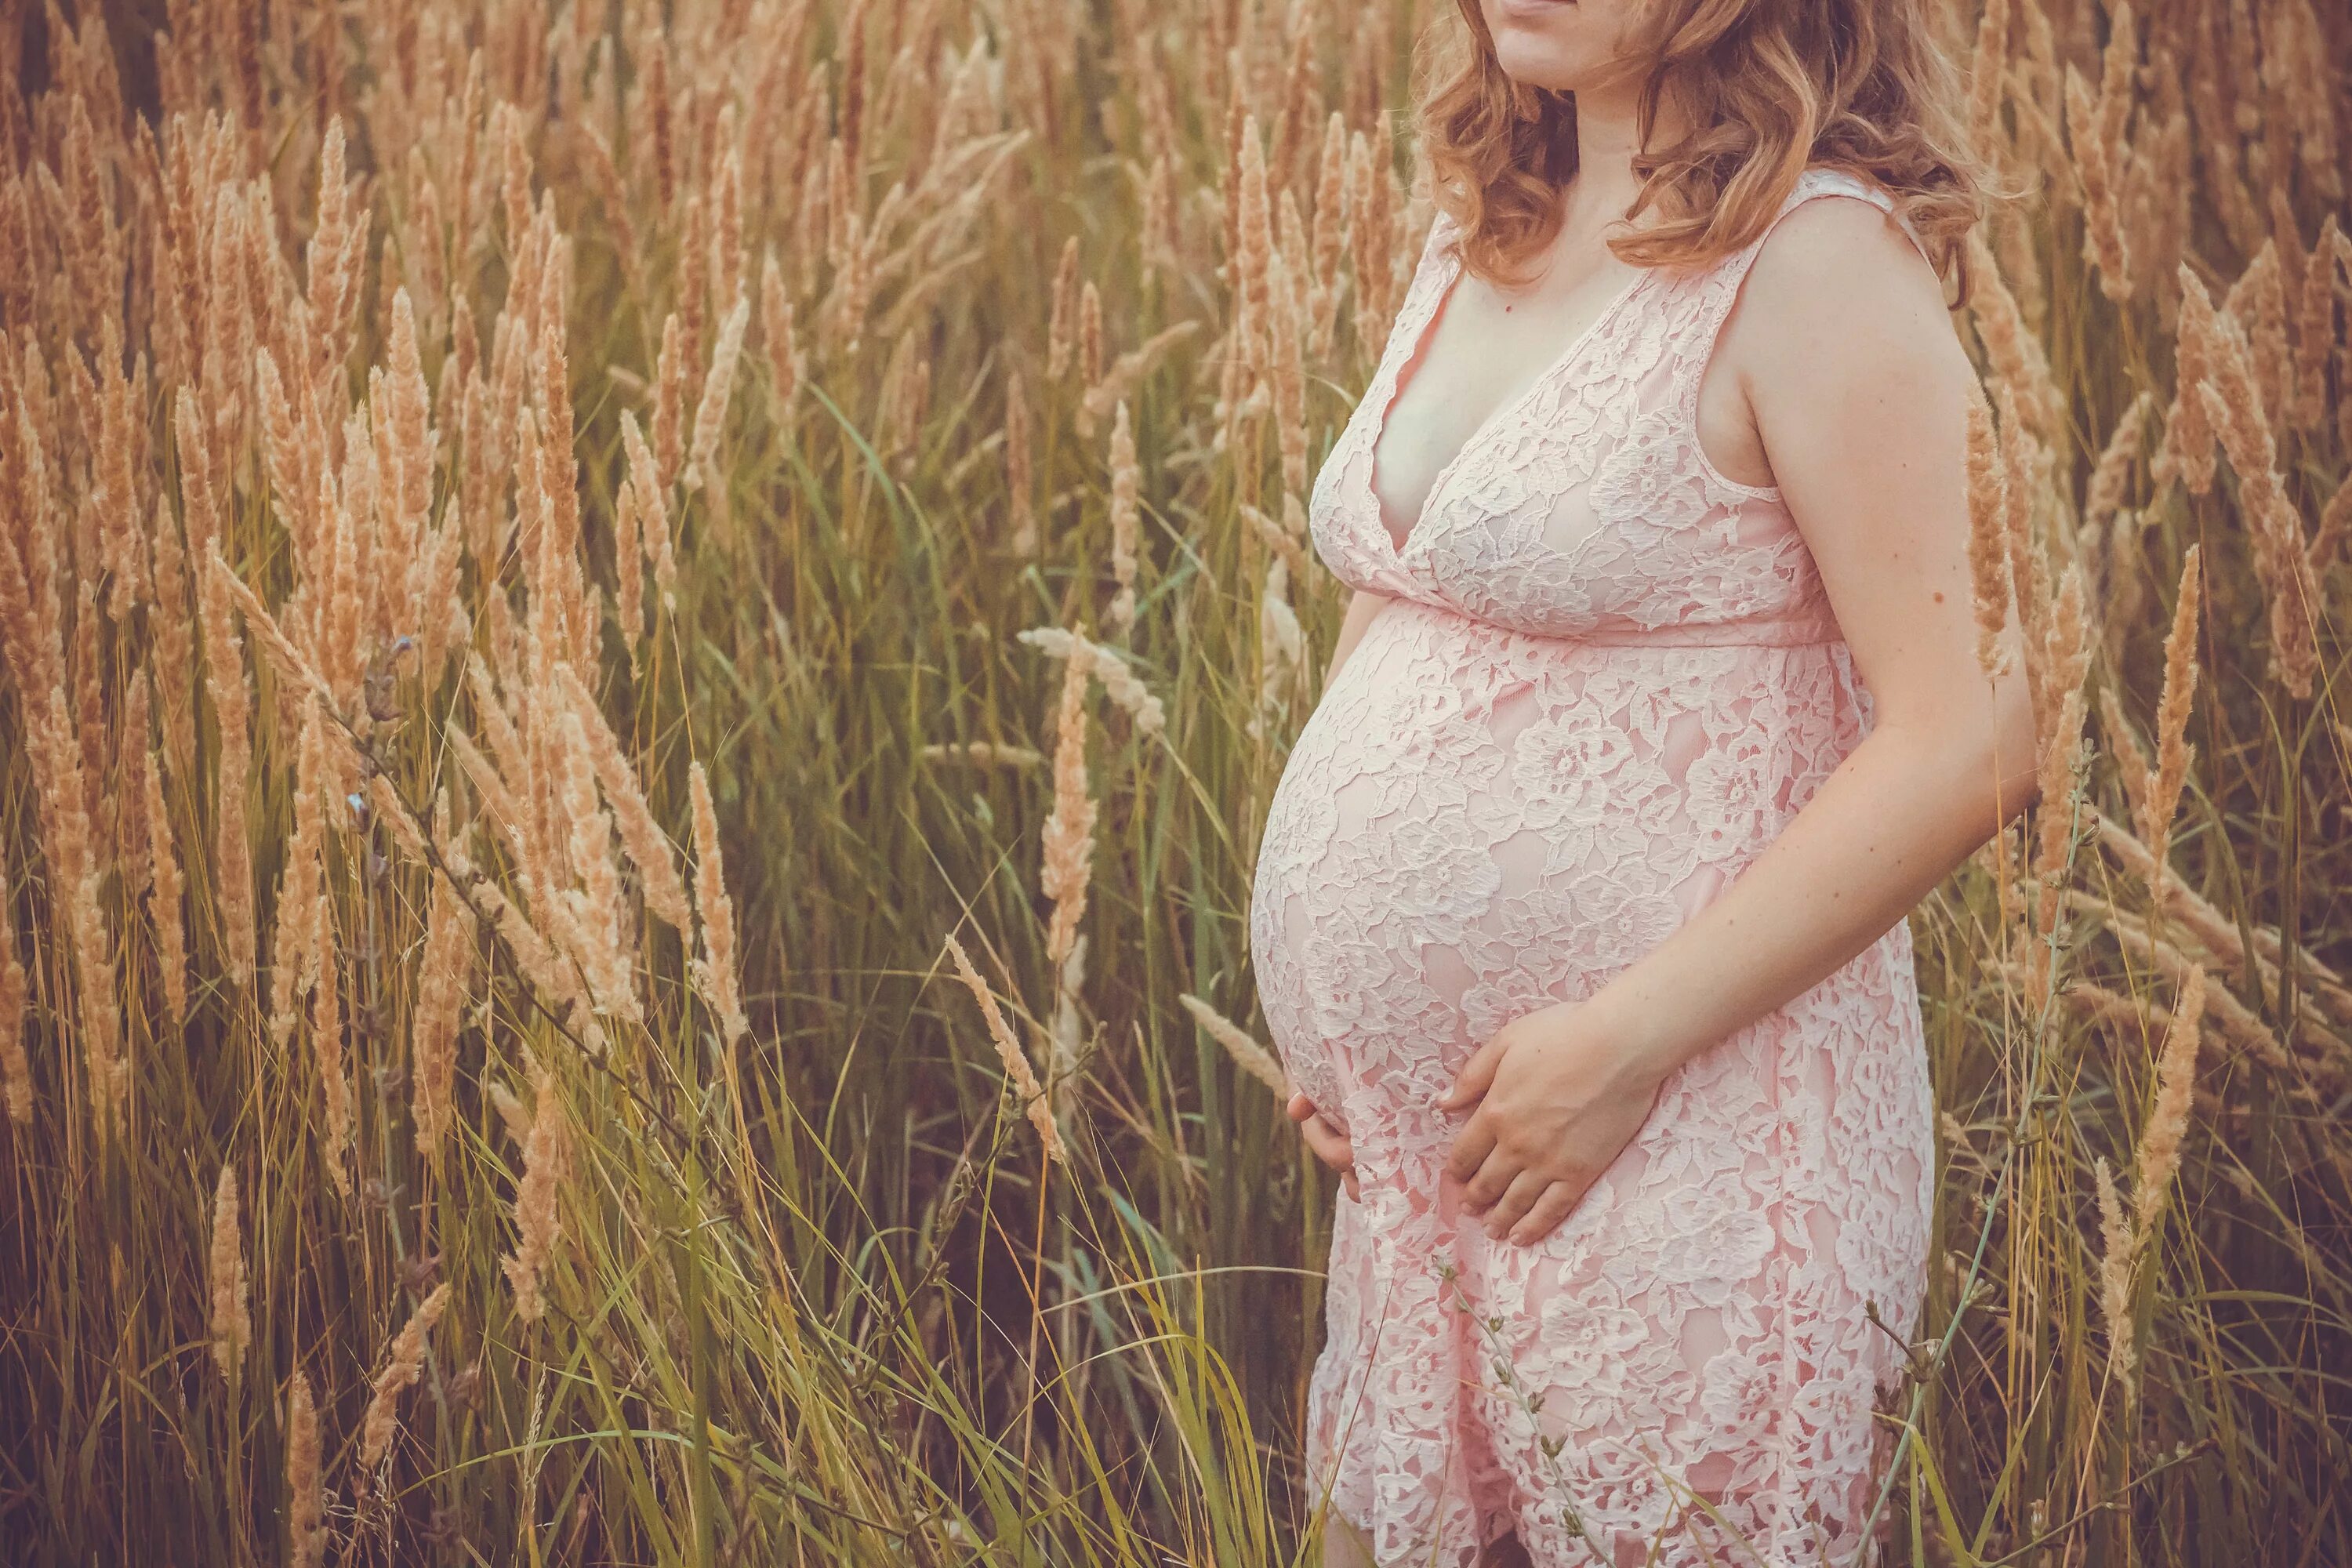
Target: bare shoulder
(1836, 277)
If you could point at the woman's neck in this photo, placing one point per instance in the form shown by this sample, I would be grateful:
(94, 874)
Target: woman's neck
(1608, 135)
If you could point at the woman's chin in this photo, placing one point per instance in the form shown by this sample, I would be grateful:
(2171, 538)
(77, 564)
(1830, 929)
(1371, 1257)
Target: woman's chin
(1540, 62)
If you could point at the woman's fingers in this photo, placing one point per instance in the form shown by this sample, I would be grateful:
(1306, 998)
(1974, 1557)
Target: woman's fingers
(1476, 1076)
(1516, 1200)
(1472, 1146)
(1558, 1202)
(1330, 1145)
(1493, 1178)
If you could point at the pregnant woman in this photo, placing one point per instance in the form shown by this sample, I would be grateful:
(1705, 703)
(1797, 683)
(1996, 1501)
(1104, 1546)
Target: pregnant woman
(1581, 911)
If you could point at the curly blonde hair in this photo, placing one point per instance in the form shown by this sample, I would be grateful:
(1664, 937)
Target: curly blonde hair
(1767, 88)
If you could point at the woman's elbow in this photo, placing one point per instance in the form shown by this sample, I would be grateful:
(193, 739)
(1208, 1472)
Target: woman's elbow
(1987, 754)
(2007, 753)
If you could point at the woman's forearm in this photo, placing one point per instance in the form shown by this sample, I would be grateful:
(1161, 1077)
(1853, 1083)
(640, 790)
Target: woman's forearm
(1903, 810)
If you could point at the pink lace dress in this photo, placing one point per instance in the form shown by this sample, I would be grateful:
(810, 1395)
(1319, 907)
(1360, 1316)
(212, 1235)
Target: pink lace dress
(1609, 677)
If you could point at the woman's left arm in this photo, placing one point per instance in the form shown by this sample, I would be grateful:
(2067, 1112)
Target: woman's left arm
(1859, 389)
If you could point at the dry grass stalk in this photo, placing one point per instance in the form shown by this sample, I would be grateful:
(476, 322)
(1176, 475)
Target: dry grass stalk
(225, 682)
(2167, 1120)
(1125, 483)
(1251, 282)
(2173, 750)
(1061, 331)
(306, 1490)
(2131, 760)
(441, 981)
(2187, 450)
(232, 1321)
(778, 329)
(74, 864)
(2117, 1252)
(384, 800)
(715, 967)
(288, 659)
(1120, 683)
(16, 1064)
(1069, 837)
(2125, 1237)
(1248, 1055)
(985, 754)
(401, 1366)
(1066, 1029)
(327, 1046)
(711, 410)
(2028, 575)
(166, 885)
(539, 1224)
(1019, 484)
(669, 397)
(2327, 540)
(295, 945)
(2096, 129)
(2237, 1021)
(648, 846)
(1988, 69)
(2255, 306)
(2315, 335)
(1987, 537)
(1282, 639)
(1287, 375)
(2103, 495)
(1278, 538)
(596, 924)
(653, 507)
(1017, 1069)
(1127, 373)
(2275, 528)
(2014, 352)
(1091, 346)
(2257, 963)
(174, 639)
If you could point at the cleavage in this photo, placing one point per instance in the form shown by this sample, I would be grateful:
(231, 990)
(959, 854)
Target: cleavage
(1457, 380)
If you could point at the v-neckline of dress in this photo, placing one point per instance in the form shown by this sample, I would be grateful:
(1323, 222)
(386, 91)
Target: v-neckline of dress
(1451, 261)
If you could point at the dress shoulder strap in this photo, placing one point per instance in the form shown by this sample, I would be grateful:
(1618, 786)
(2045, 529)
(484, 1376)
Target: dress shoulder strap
(1821, 179)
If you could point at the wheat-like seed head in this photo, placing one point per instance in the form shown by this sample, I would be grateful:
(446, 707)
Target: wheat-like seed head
(1988, 536)
(2167, 1121)
(401, 1366)
(232, 1321)
(1248, 1055)
(1126, 484)
(2119, 1252)
(1008, 1050)
(538, 1223)
(716, 968)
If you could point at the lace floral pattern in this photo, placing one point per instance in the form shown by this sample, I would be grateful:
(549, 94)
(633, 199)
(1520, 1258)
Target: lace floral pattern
(1609, 677)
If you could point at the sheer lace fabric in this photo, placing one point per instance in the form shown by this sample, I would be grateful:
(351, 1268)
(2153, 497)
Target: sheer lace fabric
(1609, 679)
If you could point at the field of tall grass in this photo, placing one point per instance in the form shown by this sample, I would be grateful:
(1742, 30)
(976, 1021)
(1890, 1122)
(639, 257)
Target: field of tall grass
(640, 652)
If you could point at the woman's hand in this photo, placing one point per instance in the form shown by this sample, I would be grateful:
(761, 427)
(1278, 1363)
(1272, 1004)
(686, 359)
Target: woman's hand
(1330, 1145)
(1558, 1096)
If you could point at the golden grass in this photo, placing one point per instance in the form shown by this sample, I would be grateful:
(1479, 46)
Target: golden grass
(536, 542)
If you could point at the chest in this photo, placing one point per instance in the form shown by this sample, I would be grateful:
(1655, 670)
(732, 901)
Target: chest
(1476, 353)
(1476, 362)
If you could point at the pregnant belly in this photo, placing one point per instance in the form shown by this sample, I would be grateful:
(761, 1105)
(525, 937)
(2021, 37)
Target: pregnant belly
(1476, 823)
